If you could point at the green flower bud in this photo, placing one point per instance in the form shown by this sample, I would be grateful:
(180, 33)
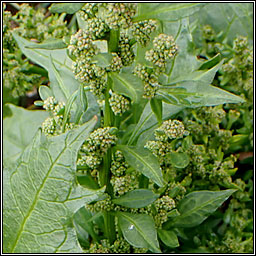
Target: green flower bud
(118, 103)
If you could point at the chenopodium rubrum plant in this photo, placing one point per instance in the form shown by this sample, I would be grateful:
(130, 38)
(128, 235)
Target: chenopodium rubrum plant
(114, 92)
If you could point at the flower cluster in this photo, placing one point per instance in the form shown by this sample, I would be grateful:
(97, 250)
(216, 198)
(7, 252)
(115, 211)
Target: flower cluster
(169, 130)
(116, 63)
(163, 205)
(150, 79)
(164, 48)
(118, 165)
(53, 125)
(88, 10)
(102, 205)
(34, 24)
(141, 30)
(119, 15)
(96, 27)
(125, 51)
(118, 103)
(81, 45)
(96, 146)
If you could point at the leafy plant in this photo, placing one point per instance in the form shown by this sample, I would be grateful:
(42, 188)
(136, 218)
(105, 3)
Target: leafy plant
(133, 152)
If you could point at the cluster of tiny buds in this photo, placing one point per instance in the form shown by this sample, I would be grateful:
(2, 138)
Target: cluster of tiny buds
(52, 105)
(170, 129)
(123, 184)
(88, 10)
(118, 103)
(141, 30)
(95, 147)
(116, 63)
(125, 50)
(102, 205)
(96, 27)
(149, 78)
(164, 48)
(208, 33)
(81, 44)
(119, 15)
(118, 165)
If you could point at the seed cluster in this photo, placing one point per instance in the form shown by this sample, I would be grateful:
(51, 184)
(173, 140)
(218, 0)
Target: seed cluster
(164, 48)
(141, 30)
(125, 51)
(118, 103)
(96, 146)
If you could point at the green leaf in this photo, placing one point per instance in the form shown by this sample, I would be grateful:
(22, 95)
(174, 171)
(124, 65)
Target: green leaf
(40, 195)
(83, 226)
(69, 8)
(82, 102)
(195, 207)
(87, 181)
(143, 161)
(211, 62)
(102, 59)
(178, 159)
(168, 237)
(139, 230)
(128, 85)
(136, 198)
(45, 92)
(157, 108)
(148, 122)
(49, 45)
(166, 11)
(186, 57)
(42, 56)
(18, 131)
(196, 94)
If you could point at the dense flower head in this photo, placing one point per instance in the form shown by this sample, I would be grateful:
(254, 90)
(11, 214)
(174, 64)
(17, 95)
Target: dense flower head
(118, 103)
(170, 129)
(96, 146)
(125, 51)
(208, 33)
(96, 27)
(81, 44)
(119, 14)
(116, 63)
(118, 165)
(150, 79)
(88, 10)
(141, 30)
(164, 48)
(123, 184)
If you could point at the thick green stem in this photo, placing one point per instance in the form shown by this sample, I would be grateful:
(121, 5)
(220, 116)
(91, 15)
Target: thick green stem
(143, 181)
(113, 41)
(109, 220)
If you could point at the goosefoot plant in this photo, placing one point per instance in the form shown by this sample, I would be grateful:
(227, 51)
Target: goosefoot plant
(110, 169)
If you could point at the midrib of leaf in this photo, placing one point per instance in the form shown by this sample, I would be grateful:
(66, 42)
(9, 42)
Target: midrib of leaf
(57, 75)
(145, 163)
(130, 88)
(198, 208)
(137, 130)
(38, 192)
(45, 56)
(161, 10)
(140, 231)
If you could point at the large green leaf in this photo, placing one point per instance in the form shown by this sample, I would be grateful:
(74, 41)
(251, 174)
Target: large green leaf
(195, 207)
(166, 11)
(186, 59)
(136, 198)
(127, 84)
(18, 131)
(143, 161)
(148, 122)
(51, 44)
(139, 230)
(168, 237)
(195, 93)
(229, 19)
(40, 195)
(69, 8)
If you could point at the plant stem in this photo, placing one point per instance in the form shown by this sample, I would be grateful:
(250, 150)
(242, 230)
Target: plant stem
(113, 41)
(109, 220)
(143, 181)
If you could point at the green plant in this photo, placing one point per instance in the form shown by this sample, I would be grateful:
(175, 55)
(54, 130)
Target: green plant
(135, 147)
